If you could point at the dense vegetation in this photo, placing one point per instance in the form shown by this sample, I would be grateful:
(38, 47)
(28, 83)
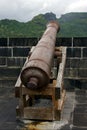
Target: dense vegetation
(71, 24)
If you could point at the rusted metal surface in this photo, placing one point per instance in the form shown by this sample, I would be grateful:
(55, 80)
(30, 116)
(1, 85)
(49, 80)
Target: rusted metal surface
(36, 73)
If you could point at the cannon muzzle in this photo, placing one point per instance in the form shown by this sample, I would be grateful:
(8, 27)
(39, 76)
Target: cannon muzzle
(37, 70)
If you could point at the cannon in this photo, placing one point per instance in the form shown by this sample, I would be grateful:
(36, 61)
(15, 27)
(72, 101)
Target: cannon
(37, 70)
(41, 78)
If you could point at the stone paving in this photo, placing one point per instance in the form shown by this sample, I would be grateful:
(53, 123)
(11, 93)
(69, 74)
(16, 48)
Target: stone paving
(74, 114)
(7, 109)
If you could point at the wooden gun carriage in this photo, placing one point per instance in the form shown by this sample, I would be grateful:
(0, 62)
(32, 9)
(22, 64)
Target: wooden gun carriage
(40, 86)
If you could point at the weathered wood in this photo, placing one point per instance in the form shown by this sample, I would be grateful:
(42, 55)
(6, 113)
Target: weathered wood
(18, 112)
(47, 91)
(57, 115)
(59, 106)
(61, 71)
(17, 87)
(38, 113)
(61, 101)
(54, 90)
(17, 92)
(18, 83)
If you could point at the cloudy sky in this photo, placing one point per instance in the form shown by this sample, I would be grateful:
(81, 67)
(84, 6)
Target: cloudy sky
(25, 10)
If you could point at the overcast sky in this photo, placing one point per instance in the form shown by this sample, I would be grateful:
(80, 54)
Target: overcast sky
(25, 10)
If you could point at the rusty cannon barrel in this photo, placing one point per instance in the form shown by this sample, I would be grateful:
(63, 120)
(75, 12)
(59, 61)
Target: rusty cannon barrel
(37, 70)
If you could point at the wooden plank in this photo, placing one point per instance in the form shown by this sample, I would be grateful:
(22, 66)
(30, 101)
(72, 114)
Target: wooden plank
(38, 113)
(59, 106)
(61, 101)
(61, 71)
(61, 68)
(47, 91)
(17, 111)
(57, 115)
(17, 92)
(18, 82)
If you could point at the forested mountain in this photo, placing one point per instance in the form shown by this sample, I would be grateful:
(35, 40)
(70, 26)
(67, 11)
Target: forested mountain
(71, 24)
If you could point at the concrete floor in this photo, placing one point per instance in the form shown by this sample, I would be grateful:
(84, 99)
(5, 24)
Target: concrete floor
(70, 118)
(7, 109)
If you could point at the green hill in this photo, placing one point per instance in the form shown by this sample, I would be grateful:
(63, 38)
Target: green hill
(71, 24)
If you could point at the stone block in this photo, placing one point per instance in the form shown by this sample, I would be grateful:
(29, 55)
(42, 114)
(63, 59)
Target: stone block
(80, 92)
(71, 73)
(67, 72)
(82, 63)
(76, 52)
(73, 52)
(64, 42)
(81, 108)
(85, 52)
(81, 84)
(69, 84)
(15, 61)
(84, 84)
(3, 42)
(82, 73)
(65, 127)
(7, 83)
(21, 51)
(2, 61)
(80, 119)
(67, 65)
(80, 41)
(9, 72)
(23, 41)
(5, 52)
(74, 62)
(69, 52)
(79, 128)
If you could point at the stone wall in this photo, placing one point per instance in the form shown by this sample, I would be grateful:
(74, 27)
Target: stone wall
(13, 53)
(76, 64)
